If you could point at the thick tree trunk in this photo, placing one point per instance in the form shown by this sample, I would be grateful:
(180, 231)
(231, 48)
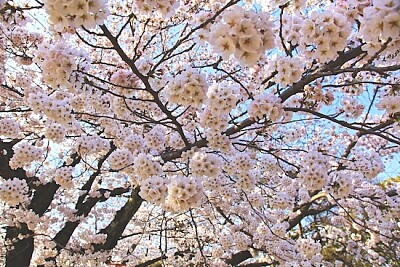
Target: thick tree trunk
(122, 218)
(21, 253)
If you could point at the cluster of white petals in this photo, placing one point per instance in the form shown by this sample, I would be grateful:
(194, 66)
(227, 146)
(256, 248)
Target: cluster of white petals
(351, 107)
(55, 132)
(324, 34)
(188, 88)
(267, 105)
(291, 25)
(135, 143)
(154, 189)
(271, 4)
(47, 249)
(14, 216)
(309, 249)
(120, 158)
(222, 98)
(155, 138)
(9, 128)
(205, 164)
(93, 144)
(245, 34)
(289, 70)
(13, 191)
(160, 8)
(239, 163)
(125, 81)
(183, 193)
(64, 15)
(59, 110)
(281, 200)
(59, 63)
(63, 177)
(314, 170)
(145, 166)
(380, 22)
(241, 241)
(341, 183)
(390, 103)
(24, 155)
(368, 163)
(246, 180)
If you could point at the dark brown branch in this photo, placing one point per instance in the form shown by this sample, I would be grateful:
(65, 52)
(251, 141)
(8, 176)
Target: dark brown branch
(122, 218)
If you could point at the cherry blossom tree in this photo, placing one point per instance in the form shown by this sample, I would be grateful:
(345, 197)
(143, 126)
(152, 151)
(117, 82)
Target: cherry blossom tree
(199, 133)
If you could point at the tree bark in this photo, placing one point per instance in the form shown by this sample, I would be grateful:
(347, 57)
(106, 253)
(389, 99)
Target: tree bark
(21, 253)
(122, 218)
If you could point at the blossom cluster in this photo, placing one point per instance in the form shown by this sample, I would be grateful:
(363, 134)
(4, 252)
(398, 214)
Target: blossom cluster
(47, 249)
(241, 241)
(14, 216)
(2, 60)
(214, 184)
(288, 70)
(369, 163)
(267, 105)
(25, 40)
(222, 98)
(183, 193)
(291, 25)
(120, 158)
(24, 154)
(240, 167)
(314, 170)
(294, 4)
(282, 200)
(341, 183)
(205, 164)
(59, 110)
(219, 142)
(91, 144)
(145, 166)
(155, 138)
(188, 88)
(154, 189)
(63, 177)
(122, 107)
(124, 81)
(245, 34)
(380, 22)
(317, 94)
(13, 191)
(174, 140)
(64, 15)
(162, 8)
(134, 143)
(59, 63)
(324, 34)
(9, 128)
(351, 107)
(389, 103)
(246, 180)
(55, 132)
(238, 163)
(309, 249)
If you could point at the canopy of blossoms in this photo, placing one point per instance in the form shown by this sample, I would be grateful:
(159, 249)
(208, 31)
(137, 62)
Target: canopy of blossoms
(199, 133)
